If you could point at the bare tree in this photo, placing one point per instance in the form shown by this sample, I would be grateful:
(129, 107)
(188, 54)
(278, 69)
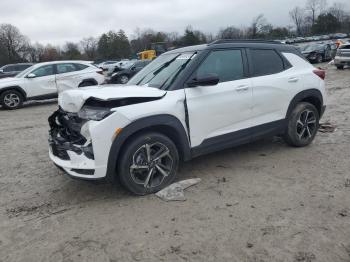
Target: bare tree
(15, 44)
(298, 17)
(89, 46)
(316, 7)
(256, 26)
(338, 10)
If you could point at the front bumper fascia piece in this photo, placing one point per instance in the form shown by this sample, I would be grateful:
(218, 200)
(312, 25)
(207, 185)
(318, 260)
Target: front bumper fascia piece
(70, 151)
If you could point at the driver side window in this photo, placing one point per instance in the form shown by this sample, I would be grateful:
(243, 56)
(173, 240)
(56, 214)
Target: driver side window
(227, 64)
(43, 71)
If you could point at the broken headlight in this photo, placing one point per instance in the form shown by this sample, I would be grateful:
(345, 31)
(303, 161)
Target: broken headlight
(94, 113)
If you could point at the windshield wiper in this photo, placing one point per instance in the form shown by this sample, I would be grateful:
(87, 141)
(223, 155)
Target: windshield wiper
(158, 70)
(182, 67)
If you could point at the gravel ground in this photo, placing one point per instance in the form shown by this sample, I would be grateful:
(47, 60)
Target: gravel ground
(259, 202)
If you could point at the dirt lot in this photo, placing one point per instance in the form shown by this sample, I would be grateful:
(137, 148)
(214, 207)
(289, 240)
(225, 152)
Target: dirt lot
(259, 202)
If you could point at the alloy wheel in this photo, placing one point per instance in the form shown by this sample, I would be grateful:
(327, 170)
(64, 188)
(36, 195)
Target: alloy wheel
(306, 125)
(124, 79)
(11, 100)
(151, 164)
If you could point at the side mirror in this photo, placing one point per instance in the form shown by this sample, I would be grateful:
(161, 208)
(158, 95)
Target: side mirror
(206, 80)
(31, 75)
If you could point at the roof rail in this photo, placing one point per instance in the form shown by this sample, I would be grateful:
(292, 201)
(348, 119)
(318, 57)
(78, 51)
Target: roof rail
(225, 41)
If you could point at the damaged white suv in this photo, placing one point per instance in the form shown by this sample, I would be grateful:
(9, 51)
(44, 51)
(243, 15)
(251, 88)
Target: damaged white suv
(188, 102)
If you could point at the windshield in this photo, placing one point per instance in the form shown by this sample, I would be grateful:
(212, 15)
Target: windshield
(23, 73)
(162, 71)
(309, 48)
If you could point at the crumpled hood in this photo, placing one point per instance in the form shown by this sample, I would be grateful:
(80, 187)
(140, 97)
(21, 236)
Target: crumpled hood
(73, 100)
(5, 82)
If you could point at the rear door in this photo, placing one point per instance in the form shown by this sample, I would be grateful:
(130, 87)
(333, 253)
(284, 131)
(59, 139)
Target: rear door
(43, 84)
(223, 108)
(69, 75)
(274, 82)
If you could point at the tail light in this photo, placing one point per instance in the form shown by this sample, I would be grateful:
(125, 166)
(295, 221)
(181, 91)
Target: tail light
(99, 72)
(320, 73)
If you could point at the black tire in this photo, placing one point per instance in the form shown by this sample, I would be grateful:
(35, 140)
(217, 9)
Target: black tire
(319, 59)
(123, 79)
(11, 99)
(87, 83)
(132, 164)
(340, 67)
(303, 124)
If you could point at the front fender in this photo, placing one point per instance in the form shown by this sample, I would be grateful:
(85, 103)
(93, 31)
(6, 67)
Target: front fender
(182, 140)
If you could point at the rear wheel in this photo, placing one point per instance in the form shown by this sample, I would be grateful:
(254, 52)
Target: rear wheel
(11, 99)
(303, 124)
(340, 67)
(319, 59)
(148, 163)
(123, 79)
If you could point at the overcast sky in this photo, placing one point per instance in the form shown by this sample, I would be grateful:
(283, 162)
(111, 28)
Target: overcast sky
(58, 21)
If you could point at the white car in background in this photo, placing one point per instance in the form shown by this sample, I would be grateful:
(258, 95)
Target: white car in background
(46, 80)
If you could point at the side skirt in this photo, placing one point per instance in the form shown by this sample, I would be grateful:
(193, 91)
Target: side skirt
(42, 97)
(240, 137)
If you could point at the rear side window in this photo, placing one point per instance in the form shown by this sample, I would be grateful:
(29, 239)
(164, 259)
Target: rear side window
(227, 64)
(21, 67)
(65, 68)
(8, 69)
(265, 62)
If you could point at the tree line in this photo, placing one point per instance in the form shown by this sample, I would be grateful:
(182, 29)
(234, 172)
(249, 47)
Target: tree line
(314, 18)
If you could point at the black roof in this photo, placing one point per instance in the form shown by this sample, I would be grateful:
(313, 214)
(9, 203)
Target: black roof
(227, 43)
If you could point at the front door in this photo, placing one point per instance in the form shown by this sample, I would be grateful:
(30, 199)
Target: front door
(224, 108)
(41, 82)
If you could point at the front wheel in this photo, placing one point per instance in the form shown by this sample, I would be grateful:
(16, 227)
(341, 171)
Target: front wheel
(148, 163)
(11, 99)
(319, 59)
(302, 126)
(340, 67)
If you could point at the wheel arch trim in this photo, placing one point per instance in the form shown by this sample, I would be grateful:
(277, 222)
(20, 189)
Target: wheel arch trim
(146, 123)
(17, 88)
(303, 96)
(92, 80)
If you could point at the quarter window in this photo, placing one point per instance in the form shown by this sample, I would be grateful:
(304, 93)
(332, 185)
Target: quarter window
(43, 71)
(265, 62)
(227, 64)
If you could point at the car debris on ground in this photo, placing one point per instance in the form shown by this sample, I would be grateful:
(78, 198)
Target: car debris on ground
(175, 192)
(327, 127)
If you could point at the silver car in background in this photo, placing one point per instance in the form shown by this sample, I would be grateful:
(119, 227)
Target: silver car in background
(342, 57)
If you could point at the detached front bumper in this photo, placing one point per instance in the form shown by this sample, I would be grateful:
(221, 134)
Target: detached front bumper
(70, 150)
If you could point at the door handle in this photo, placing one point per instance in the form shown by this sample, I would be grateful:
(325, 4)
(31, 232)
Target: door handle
(242, 88)
(293, 80)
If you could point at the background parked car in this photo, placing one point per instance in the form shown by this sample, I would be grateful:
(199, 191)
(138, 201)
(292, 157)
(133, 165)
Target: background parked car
(121, 65)
(122, 76)
(46, 80)
(104, 65)
(13, 69)
(342, 57)
(317, 53)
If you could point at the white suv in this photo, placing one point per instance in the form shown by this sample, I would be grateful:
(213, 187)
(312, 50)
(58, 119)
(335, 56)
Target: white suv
(187, 102)
(46, 80)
